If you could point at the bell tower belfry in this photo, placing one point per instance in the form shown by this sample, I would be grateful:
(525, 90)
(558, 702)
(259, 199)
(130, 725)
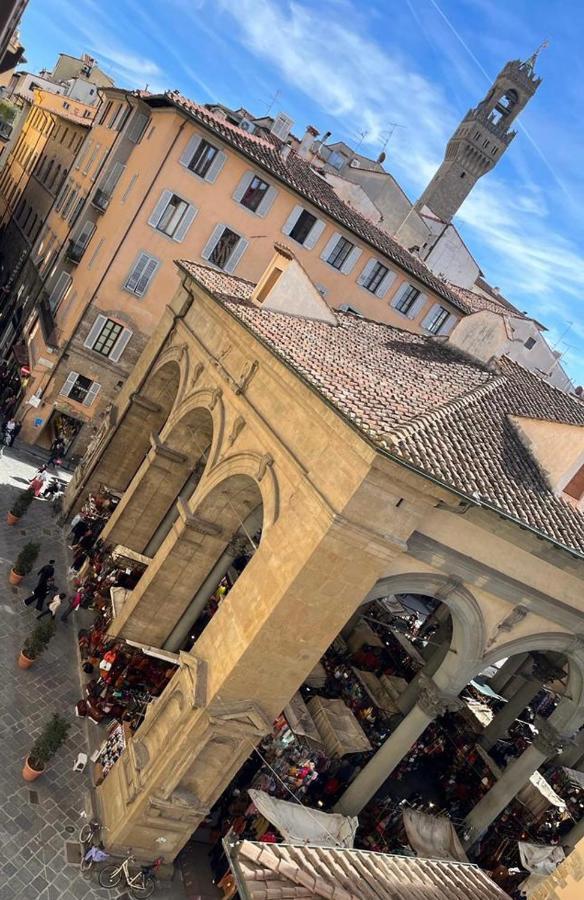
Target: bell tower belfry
(481, 139)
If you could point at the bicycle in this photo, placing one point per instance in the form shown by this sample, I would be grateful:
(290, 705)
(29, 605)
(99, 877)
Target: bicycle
(88, 837)
(140, 885)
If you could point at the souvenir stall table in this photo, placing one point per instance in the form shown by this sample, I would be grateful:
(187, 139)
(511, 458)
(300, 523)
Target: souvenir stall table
(569, 784)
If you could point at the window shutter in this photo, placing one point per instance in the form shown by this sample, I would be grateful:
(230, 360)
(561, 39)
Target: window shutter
(351, 260)
(84, 236)
(267, 202)
(243, 185)
(146, 277)
(159, 208)
(417, 306)
(136, 128)
(399, 293)
(215, 167)
(385, 285)
(95, 331)
(69, 382)
(76, 212)
(111, 179)
(190, 150)
(236, 255)
(291, 220)
(210, 245)
(81, 155)
(366, 272)
(137, 271)
(427, 319)
(314, 234)
(120, 345)
(448, 325)
(92, 393)
(185, 223)
(330, 245)
(61, 286)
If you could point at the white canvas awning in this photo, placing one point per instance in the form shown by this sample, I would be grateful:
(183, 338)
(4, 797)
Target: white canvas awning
(433, 837)
(300, 825)
(540, 859)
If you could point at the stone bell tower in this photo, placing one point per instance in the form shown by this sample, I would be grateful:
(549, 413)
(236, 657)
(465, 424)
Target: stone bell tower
(481, 139)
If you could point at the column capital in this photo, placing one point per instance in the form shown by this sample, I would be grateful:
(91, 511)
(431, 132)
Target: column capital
(160, 451)
(548, 739)
(141, 401)
(433, 701)
(196, 523)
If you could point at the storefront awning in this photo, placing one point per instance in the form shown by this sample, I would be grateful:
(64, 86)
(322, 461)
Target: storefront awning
(432, 837)
(540, 859)
(299, 825)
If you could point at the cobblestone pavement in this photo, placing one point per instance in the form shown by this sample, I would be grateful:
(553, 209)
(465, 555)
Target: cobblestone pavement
(39, 822)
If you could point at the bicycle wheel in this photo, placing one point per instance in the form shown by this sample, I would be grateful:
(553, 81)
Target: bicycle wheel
(86, 833)
(110, 876)
(143, 887)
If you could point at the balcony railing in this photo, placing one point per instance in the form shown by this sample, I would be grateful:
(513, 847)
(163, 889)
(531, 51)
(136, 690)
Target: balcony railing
(101, 199)
(46, 319)
(75, 251)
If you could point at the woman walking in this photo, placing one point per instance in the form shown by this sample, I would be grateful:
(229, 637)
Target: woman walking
(53, 607)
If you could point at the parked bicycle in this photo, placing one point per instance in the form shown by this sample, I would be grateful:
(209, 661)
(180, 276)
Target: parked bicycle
(140, 885)
(91, 848)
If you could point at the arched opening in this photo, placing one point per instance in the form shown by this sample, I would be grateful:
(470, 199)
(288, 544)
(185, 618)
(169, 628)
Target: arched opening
(504, 107)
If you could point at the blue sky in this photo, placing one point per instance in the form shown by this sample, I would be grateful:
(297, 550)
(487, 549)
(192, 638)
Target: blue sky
(354, 68)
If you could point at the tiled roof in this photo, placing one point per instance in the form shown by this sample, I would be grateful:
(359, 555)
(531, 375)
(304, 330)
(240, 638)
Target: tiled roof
(297, 174)
(424, 402)
(471, 301)
(264, 871)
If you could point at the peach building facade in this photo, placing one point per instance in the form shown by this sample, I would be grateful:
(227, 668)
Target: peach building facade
(175, 181)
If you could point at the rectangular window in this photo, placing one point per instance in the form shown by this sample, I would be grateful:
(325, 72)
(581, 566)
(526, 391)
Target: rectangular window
(80, 389)
(303, 226)
(60, 290)
(339, 253)
(437, 320)
(376, 276)
(255, 193)
(172, 215)
(202, 159)
(407, 300)
(141, 275)
(107, 338)
(224, 248)
(137, 128)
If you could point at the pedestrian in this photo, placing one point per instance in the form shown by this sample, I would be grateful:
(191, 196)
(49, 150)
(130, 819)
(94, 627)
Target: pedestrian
(53, 607)
(9, 432)
(39, 593)
(73, 604)
(79, 527)
(47, 571)
(39, 481)
(57, 451)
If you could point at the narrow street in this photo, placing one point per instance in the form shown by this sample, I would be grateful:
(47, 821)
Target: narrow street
(40, 821)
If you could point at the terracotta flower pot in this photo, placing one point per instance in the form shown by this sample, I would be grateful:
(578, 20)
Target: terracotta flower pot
(14, 577)
(12, 520)
(30, 774)
(24, 662)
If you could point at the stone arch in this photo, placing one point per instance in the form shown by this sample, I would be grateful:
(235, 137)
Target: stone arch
(202, 401)
(175, 359)
(257, 469)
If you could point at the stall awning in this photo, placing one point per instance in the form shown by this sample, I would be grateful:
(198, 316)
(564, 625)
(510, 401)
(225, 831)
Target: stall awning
(432, 837)
(338, 727)
(574, 777)
(300, 825)
(300, 721)
(540, 859)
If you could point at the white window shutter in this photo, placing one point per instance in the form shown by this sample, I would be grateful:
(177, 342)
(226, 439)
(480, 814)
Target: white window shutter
(386, 283)
(291, 220)
(185, 224)
(69, 382)
(243, 185)
(314, 234)
(61, 286)
(210, 245)
(92, 393)
(215, 167)
(190, 150)
(349, 263)
(84, 236)
(146, 276)
(136, 127)
(267, 201)
(330, 245)
(417, 306)
(427, 319)
(159, 208)
(120, 345)
(448, 325)
(399, 293)
(366, 272)
(95, 331)
(236, 255)
(111, 179)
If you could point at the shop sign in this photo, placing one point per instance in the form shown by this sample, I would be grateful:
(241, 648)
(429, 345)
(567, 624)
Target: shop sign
(34, 401)
(38, 422)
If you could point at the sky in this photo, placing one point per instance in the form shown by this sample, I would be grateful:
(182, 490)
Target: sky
(393, 74)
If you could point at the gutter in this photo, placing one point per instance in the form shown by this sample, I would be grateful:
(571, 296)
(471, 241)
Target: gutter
(471, 501)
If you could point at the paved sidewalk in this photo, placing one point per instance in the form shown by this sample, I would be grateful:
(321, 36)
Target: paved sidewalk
(39, 822)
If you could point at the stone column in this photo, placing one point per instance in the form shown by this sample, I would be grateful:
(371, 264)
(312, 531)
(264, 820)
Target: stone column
(406, 701)
(507, 670)
(153, 490)
(546, 743)
(500, 724)
(431, 703)
(574, 836)
(443, 634)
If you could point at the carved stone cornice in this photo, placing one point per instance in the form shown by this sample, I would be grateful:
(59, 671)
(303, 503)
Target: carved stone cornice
(548, 739)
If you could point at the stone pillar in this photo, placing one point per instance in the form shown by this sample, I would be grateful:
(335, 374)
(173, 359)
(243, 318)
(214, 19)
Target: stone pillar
(152, 491)
(546, 743)
(406, 701)
(500, 724)
(167, 586)
(444, 632)
(574, 836)
(573, 757)
(251, 658)
(507, 670)
(431, 703)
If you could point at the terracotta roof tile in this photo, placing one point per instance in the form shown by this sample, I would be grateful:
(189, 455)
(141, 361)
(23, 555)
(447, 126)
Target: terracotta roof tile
(424, 402)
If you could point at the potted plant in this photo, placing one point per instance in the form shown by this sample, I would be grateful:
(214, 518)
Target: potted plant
(44, 748)
(19, 507)
(24, 562)
(36, 643)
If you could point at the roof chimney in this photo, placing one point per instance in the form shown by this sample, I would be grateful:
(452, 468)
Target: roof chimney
(285, 151)
(305, 148)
